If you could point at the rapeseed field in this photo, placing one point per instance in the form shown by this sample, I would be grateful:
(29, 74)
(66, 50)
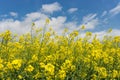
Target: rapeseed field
(44, 55)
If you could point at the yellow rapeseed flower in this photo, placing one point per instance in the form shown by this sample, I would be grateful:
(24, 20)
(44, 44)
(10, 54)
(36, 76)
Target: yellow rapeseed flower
(62, 74)
(50, 68)
(83, 27)
(29, 68)
(9, 65)
(114, 73)
(1, 60)
(34, 58)
(42, 65)
(20, 77)
(47, 21)
(1, 66)
(88, 33)
(16, 63)
(110, 30)
(102, 72)
(38, 75)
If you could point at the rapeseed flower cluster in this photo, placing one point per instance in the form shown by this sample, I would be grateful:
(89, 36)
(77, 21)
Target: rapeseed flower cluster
(45, 55)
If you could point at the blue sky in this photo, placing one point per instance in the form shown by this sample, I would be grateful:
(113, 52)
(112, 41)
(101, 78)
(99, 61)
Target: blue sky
(97, 15)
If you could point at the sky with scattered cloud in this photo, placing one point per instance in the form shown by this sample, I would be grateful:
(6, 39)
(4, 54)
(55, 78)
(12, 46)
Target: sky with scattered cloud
(97, 15)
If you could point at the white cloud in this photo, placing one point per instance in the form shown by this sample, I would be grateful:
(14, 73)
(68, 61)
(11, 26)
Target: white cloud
(104, 13)
(90, 21)
(35, 16)
(71, 10)
(115, 32)
(71, 25)
(24, 25)
(115, 10)
(92, 24)
(58, 23)
(88, 17)
(13, 25)
(20, 27)
(14, 14)
(50, 8)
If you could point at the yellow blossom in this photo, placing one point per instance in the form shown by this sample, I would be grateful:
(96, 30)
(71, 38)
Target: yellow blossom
(47, 21)
(34, 58)
(29, 68)
(83, 27)
(114, 73)
(50, 68)
(1, 66)
(16, 63)
(62, 74)
(20, 77)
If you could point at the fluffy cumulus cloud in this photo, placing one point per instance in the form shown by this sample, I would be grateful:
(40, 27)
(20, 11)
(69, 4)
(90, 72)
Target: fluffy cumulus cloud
(23, 26)
(60, 23)
(50, 8)
(14, 14)
(71, 10)
(90, 21)
(115, 10)
(34, 16)
(13, 25)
